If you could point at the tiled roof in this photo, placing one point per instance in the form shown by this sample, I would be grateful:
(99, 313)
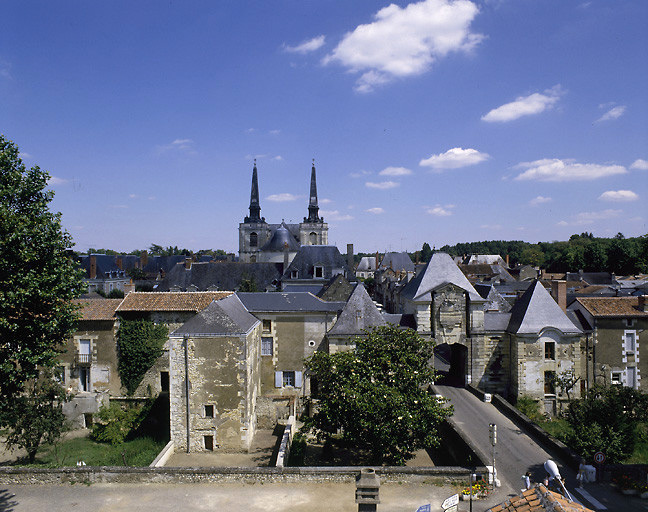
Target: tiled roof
(169, 301)
(98, 309)
(612, 306)
(224, 317)
(539, 499)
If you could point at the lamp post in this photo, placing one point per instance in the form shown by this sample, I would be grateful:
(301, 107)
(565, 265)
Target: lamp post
(493, 440)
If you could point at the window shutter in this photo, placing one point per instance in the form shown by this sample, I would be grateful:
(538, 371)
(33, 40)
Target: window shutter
(298, 379)
(278, 379)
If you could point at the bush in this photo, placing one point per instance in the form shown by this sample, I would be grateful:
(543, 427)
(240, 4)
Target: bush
(530, 408)
(139, 344)
(114, 423)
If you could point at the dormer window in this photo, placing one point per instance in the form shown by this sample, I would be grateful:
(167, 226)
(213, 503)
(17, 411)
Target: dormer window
(318, 272)
(294, 274)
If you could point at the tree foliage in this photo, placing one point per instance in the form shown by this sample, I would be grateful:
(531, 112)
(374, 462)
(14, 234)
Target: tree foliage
(116, 422)
(38, 278)
(605, 421)
(139, 344)
(36, 416)
(376, 395)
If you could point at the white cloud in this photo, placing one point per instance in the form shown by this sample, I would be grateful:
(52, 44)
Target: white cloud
(590, 217)
(613, 113)
(24, 155)
(178, 145)
(335, 215)
(377, 210)
(132, 196)
(274, 132)
(524, 106)
(619, 196)
(554, 169)
(395, 171)
(279, 158)
(325, 201)
(403, 42)
(454, 159)
(119, 206)
(250, 130)
(382, 185)
(540, 200)
(54, 180)
(640, 164)
(360, 174)
(493, 227)
(306, 46)
(282, 198)
(440, 211)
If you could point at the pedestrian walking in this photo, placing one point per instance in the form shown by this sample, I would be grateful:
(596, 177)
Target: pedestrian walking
(526, 480)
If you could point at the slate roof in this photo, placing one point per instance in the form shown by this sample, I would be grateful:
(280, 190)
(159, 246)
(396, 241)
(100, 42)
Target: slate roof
(98, 309)
(105, 265)
(294, 287)
(359, 313)
(483, 270)
(536, 310)
(539, 499)
(226, 316)
(308, 256)
(591, 277)
(495, 321)
(612, 306)
(287, 302)
(366, 263)
(488, 259)
(169, 301)
(440, 270)
(398, 261)
(337, 289)
(225, 275)
(279, 239)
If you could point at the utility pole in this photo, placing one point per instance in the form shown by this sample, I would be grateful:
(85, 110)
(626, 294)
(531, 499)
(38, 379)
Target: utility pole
(493, 440)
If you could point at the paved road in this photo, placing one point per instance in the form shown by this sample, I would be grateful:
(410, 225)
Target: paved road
(516, 453)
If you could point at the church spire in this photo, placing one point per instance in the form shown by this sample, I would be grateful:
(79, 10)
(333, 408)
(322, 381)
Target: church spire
(313, 208)
(255, 207)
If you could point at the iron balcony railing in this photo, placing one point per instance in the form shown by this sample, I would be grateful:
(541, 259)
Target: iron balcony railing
(83, 359)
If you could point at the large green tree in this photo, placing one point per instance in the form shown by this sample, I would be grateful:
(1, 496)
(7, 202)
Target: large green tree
(376, 395)
(38, 278)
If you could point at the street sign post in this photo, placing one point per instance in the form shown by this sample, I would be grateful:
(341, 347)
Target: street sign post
(599, 457)
(450, 502)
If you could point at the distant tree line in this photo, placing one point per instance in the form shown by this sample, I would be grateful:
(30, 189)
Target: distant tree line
(159, 250)
(620, 255)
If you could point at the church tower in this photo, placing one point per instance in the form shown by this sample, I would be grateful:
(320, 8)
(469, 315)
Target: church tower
(313, 231)
(254, 232)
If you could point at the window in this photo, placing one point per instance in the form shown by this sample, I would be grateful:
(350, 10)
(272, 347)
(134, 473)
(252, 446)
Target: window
(631, 377)
(266, 346)
(630, 341)
(209, 411)
(267, 325)
(209, 443)
(254, 239)
(294, 274)
(629, 322)
(312, 238)
(615, 378)
(549, 383)
(319, 272)
(84, 351)
(550, 350)
(289, 379)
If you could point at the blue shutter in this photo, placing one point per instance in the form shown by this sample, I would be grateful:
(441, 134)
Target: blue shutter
(278, 379)
(298, 379)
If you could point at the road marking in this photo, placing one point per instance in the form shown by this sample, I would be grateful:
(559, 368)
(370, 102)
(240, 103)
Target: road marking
(597, 504)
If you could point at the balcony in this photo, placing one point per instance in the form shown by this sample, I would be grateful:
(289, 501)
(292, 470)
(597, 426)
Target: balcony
(83, 359)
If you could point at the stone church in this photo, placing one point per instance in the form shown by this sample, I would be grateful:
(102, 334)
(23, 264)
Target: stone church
(260, 241)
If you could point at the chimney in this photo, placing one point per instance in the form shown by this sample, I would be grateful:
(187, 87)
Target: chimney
(350, 257)
(143, 259)
(559, 293)
(118, 262)
(130, 287)
(642, 304)
(507, 261)
(377, 261)
(188, 262)
(286, 257)
(93, 267)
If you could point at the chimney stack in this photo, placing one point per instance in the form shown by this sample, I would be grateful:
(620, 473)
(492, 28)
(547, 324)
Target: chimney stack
(350, 257)
(507, 261)
(129, 287)
(377, 261)
(559, 293)
(188, 262)
(143, 259)
(286, 256)
(643, 305)
(93, 267)
(118, 262)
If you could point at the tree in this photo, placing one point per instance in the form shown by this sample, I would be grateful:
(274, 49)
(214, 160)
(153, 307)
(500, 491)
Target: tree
(605, 421)
(376, 395)
(38, 278)
(426, 253)
(139, 344)
(36, 416)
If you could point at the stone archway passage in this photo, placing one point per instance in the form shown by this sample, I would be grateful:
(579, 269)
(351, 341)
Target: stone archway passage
(450, 363)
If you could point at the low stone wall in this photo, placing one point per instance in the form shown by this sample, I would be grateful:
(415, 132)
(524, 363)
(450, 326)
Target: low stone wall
(286, 442)
(163, 456)
(557, 448)
(108, 474)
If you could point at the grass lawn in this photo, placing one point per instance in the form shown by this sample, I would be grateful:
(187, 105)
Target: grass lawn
(138, 452)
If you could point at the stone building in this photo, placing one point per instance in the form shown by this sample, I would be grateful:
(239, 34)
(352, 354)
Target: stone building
(214, 363)
(615, 328)
(261, 241)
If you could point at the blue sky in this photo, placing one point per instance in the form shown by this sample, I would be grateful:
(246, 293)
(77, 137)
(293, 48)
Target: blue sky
(439, 121)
